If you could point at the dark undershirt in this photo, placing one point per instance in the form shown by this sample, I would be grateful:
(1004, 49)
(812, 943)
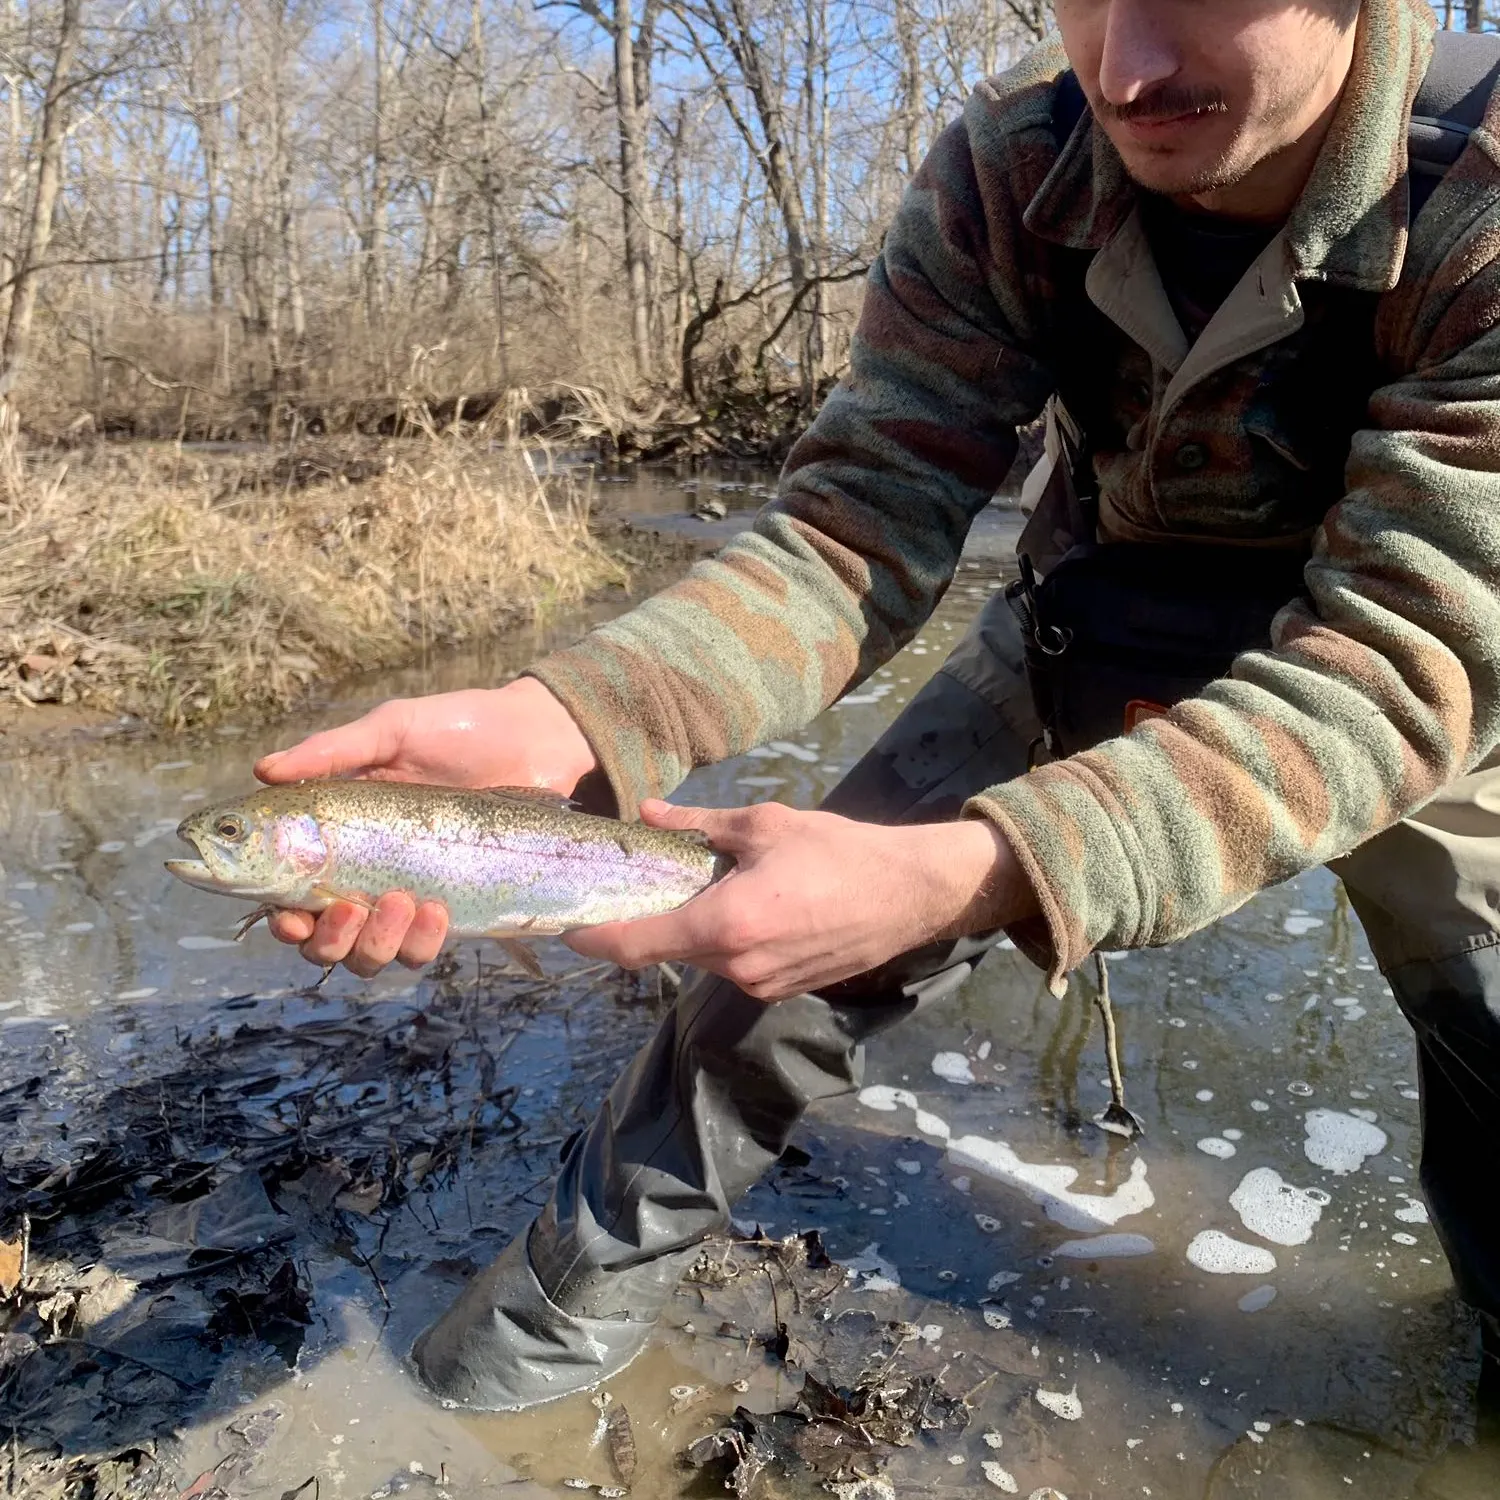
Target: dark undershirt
(1200, 257)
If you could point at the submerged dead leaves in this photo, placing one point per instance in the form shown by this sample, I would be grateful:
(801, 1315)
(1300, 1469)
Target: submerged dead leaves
(156, 1234)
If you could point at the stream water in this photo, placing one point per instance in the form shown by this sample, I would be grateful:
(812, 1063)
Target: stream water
(1248, 1301)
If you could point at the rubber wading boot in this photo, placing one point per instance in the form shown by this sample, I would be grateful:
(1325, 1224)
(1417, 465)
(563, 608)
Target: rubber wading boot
(1473, 1472)
(704, 1110)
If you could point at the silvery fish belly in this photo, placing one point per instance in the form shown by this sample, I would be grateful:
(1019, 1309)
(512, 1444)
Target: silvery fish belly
(507, 862)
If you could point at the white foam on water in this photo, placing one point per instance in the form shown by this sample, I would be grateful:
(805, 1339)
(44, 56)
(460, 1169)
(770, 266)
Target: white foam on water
(1214, 1145)
(1064, 1404)
(996, 1318)
(1301, 926)
(1353, 1012)
(1050, 1187)
(1002, 1279)
(1300, 1089)
(1415, 1211)
(1258, 1300)
(146, 994)
(1106, 1247)
(911, 1168)
(198, 943)
(1402, 1238)
(1345, 1002)
(1367, 1115)
(1215, 1252)
(883, 1097)
(1259, 1106)
(113, 846)
(1204, 1096)
(1001, 1478)
(797, 752)
(1231, 1134)
(1271, 1207)
(877, 1273)
(78, 928)
(1340, 1143)
(954, 1067)
(761, 783)
(987, 1224)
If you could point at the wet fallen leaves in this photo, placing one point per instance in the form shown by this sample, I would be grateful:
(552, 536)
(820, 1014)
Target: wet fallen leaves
(156, 1230)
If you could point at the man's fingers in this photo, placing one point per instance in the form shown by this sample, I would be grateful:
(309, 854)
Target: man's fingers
(359, 746)
(382, 935)
(334, 934)
(732, 830)
(292, 927)
(679, 936)
(426, 935)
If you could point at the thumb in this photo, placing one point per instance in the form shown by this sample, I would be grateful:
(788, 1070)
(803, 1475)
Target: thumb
(364, 745)
(731, 830)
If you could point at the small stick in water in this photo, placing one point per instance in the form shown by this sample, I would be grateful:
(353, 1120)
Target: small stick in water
(1116, 1118)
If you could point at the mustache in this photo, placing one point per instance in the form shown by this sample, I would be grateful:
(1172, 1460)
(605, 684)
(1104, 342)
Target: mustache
(1166, 102)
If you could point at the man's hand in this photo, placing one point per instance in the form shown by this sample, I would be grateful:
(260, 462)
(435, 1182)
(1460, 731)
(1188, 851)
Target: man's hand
(816, 898)
(516, 735)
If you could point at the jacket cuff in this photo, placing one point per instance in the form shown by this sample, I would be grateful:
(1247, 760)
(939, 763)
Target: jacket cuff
(1081, 861)
(616, 723)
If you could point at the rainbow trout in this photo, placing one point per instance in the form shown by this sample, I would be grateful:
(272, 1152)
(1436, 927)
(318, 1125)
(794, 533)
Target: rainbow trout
(508, 863)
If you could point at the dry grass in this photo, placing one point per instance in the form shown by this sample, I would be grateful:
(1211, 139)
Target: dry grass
(181, 588)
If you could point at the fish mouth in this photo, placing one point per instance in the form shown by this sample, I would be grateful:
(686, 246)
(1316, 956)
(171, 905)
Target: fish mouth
(194, 872)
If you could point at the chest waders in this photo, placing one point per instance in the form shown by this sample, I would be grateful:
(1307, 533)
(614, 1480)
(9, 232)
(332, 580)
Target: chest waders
(711, 1102)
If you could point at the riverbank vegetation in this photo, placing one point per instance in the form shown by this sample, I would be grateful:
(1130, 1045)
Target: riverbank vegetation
(179, 587)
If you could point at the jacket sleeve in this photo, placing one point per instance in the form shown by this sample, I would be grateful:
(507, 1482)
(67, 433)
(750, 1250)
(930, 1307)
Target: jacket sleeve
(1375, 694)
(873, 507)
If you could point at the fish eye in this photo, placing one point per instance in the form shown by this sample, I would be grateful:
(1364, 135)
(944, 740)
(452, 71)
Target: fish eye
(230, 826)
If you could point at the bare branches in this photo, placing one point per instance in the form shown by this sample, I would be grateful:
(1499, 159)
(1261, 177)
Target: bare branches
(260, 202)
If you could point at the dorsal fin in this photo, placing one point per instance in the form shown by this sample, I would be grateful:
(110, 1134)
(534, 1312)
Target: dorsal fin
(542, 796)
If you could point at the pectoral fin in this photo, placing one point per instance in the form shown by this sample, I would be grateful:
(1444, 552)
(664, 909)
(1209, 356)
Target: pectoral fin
(257, 915)
(522, 954)
(324, 894)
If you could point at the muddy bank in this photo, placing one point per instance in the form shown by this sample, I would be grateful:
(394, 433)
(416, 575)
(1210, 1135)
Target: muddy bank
(176, 588)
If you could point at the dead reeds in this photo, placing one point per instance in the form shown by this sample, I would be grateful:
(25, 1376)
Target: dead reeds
(181, 587)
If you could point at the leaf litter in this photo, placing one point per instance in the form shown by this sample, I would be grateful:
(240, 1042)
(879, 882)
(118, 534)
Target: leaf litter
(152, 1230)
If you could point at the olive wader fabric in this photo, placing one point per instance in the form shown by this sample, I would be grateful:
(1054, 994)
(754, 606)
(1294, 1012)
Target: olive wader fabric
(710, 1103)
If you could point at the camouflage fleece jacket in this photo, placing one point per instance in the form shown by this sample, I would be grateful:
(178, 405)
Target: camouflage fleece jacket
(1379, 688)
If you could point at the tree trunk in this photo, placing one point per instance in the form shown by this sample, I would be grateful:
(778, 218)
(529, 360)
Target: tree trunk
(633, 189)
(38, 234)
(488, 191)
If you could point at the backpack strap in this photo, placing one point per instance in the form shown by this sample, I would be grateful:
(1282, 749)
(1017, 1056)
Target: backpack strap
(1449, 106)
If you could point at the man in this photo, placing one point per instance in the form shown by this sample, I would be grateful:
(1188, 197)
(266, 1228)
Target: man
(1214, 264)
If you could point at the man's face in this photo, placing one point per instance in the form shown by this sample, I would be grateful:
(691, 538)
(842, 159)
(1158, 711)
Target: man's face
(1194, 94)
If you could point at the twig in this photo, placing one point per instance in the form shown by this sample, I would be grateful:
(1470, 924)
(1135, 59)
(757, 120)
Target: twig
(206, 1268)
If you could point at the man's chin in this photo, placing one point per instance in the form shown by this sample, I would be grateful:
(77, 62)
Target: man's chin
(1168, 174)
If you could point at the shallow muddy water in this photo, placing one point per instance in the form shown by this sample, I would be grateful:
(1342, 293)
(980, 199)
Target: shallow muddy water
(1248, 1301)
